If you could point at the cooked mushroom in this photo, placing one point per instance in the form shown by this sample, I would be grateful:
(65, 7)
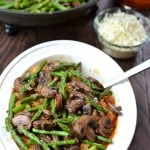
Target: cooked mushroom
(87, 109)
(96, 82)
(48, 92)
(73, 147)
(21, 121)
(81, 85)
(18, 83)
(114, 109)
(36, 147)
(105, 126)
(76, 101)
(43, 124)
(84, 127)
(44, 77)
(58, 101)
(47, 114)
(52, 65)
(45, 138)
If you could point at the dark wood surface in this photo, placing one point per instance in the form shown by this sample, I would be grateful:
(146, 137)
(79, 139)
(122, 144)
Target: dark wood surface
(81, 29)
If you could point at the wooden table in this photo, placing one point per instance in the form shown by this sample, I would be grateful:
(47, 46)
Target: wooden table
(81, 29)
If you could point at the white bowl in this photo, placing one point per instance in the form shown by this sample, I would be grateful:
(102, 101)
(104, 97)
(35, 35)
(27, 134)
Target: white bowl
(95, 63)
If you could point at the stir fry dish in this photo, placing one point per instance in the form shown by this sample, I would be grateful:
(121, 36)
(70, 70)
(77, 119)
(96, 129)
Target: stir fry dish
(53, 106)
(38, 6)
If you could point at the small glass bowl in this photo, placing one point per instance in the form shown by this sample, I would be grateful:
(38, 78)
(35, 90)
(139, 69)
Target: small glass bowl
(118, 51)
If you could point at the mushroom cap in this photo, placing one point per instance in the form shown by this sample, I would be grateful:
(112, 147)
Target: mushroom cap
(84, 127)
(21, 121)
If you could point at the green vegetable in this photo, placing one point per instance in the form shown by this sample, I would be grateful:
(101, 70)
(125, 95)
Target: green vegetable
(99, 146)
(11, 106)
(40, 110)
(33, 77)
(19, 108)
(34, 138)
(96, 105)
(101, 138)
(61, 143)
(52, 132)
(64, 127)
(15, 136)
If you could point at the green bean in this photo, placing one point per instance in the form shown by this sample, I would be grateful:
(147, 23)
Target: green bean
(15, 136)
(61, 143)
(34, 138)
(52, 132)
(11, 106)
(99, 146)
(40, 110)
(33, 77)
(96, 105)
(101, 138)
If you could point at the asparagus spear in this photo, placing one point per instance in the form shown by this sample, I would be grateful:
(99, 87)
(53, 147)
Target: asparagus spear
(35, 138)
(99, 146)
(33, 77)
(15, 136)
(95, 105)
(40, 110)
(61, 143)
(11, 106)
(101, 138)
(52, 132)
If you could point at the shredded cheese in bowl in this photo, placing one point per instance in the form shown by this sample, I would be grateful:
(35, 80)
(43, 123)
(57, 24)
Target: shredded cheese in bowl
(122, 31)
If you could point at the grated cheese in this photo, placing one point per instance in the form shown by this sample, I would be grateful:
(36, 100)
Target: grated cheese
(122, 29)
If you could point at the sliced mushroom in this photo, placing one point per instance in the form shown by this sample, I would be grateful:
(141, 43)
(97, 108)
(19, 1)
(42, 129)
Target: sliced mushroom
(18, 83)
(43, 124)
(114, 109)
(51, 66)
(58, 101)
(81, 85)
(44, 77)
(73, 147)
(84, 127)
(105, 126)
(45, 138)
(47, 114)
(48, 92)
(76, 101)
(21, 121)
